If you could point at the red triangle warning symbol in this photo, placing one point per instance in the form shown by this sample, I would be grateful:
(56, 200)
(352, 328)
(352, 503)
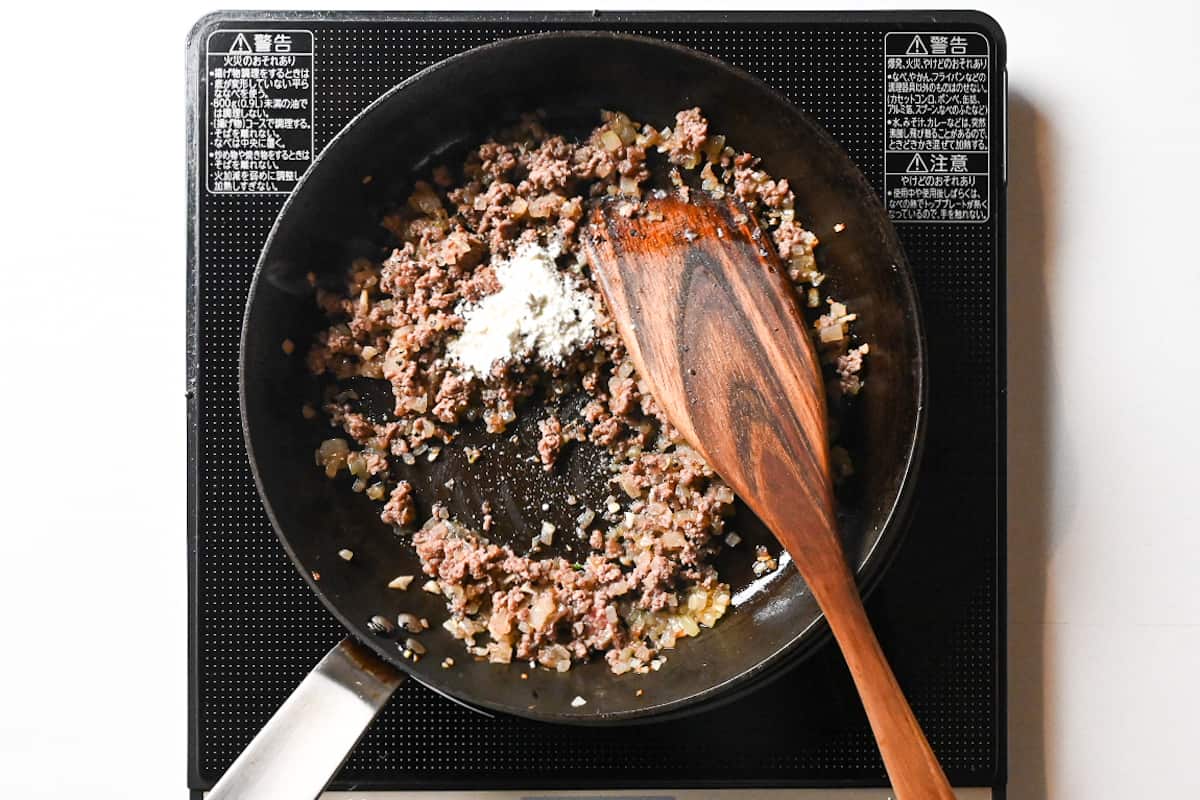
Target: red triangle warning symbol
(240, 45)
(916, 47)
(917, 164)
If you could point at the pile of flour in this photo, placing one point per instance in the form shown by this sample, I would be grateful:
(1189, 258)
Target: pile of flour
(537, 313)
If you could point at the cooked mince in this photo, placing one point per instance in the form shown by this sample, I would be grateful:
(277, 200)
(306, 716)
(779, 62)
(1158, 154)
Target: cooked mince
(420, 319)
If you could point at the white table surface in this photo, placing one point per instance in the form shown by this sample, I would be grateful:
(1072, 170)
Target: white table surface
(1104, 536)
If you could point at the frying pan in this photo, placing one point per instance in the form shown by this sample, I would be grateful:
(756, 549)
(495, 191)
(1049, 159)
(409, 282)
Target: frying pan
(332, 217)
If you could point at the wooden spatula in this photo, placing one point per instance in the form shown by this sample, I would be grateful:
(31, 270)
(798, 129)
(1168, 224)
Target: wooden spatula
(708, 316)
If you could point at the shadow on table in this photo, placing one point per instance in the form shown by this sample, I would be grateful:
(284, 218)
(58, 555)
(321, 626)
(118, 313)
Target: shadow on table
(1031, 253)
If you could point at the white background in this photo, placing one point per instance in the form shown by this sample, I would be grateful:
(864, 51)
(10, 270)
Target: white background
(1105, 280)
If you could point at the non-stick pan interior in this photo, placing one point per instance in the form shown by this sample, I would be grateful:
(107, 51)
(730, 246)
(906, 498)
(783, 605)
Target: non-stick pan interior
(333, 217)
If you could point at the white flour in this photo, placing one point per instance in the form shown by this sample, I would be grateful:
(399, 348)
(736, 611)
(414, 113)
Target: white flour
(537, 312)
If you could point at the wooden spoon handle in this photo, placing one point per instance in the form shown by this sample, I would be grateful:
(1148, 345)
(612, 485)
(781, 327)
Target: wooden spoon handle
(712, 324)
(911, 765)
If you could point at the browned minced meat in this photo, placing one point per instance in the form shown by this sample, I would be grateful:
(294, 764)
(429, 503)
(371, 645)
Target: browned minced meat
(755, 187)
(652, 544)
(689, 135)
(551, 441)
(536, 606)
(849, 366)
(607, 431)
(400, 508)
(453, 398)
(358, 426)
(792, 239)
(623, 395)
(377, 462)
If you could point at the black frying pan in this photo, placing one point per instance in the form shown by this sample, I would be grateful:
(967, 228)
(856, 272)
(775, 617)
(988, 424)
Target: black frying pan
(332, 216)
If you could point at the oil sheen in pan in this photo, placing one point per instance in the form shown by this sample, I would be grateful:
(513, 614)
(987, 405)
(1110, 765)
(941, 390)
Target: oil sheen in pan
(521, 494)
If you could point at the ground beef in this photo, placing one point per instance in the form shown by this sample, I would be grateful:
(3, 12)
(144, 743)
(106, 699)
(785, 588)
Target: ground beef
(400, 509)
(649, 577)
(530, 600)
(849, 366)
(358, 426)
(551, 441)
(623, 395)
(607, 431)
(791, 240)
(549, 167)
(377, 462)
(689, 135)
(453, 398)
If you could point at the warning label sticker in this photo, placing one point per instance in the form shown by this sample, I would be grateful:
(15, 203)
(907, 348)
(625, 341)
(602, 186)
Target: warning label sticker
(260, 110)
(937, 116)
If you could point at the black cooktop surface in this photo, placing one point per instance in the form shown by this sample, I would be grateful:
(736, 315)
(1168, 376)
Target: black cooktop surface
(918, 102)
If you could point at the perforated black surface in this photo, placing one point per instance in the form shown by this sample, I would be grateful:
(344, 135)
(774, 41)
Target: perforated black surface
(256, 629)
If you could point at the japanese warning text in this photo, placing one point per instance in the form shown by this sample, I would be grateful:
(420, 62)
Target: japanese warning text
(260, 114)
(937, 119)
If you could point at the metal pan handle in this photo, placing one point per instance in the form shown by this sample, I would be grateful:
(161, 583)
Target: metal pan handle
(309, 737)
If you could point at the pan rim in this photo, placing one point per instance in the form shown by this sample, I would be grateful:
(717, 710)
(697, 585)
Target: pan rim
(869, 569)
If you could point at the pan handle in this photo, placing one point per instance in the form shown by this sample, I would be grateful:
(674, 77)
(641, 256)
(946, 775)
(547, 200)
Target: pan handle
(309, 737)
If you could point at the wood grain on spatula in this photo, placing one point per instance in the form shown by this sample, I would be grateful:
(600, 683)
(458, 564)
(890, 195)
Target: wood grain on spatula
(709, 317)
